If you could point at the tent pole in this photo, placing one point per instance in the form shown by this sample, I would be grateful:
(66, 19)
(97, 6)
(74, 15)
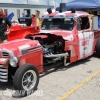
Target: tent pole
(55, 5)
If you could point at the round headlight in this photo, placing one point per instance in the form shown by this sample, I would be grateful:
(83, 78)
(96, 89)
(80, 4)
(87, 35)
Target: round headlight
(13, 61)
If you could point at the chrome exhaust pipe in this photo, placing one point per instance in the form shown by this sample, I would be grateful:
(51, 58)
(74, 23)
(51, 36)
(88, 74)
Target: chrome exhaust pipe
(56, 55)
(65, 61)
(59, 55)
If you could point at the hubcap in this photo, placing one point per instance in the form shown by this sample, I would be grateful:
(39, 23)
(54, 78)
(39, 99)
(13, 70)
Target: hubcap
(29, 80)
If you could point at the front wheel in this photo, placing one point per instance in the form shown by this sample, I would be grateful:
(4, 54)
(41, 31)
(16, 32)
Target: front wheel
(26, 78)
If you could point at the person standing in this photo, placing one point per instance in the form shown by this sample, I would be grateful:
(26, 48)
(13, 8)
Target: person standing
(4, 22)
(38, 14)
(38, 19)
(37, 23)
(23, 15)
(33, 19)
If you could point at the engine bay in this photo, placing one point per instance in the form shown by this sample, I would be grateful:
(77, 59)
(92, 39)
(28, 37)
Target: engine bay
(52, 45)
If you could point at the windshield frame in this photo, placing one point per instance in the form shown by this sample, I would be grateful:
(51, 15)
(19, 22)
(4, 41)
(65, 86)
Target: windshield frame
(58, 17)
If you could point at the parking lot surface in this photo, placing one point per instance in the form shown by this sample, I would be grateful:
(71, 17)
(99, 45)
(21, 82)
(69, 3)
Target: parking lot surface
(77, 81)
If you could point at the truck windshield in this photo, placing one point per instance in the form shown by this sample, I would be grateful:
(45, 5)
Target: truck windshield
(58, 23)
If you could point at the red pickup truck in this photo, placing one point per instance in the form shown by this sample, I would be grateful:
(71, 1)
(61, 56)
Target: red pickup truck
(64, 38)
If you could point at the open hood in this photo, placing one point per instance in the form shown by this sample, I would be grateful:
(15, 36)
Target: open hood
(15, 47)
(66, 35)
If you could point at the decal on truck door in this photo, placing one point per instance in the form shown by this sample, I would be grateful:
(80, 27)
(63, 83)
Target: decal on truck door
(86, 39)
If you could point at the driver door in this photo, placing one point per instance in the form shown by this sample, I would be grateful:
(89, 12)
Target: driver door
(85, 38)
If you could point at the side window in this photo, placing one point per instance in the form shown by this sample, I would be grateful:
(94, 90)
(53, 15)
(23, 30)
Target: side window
(79, 24)
(18, 13)
(83, 23)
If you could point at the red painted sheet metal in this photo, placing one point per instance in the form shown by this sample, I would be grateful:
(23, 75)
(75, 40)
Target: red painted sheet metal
(19, 32)
(15, 47)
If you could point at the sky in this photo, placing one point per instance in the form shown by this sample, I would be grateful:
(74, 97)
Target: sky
(39, 2)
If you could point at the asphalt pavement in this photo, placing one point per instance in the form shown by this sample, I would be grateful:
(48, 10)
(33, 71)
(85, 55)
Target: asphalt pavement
(77, 81)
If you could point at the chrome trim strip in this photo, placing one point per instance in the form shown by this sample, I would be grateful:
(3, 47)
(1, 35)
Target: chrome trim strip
(2, 80)
(4, 77)
(4, 70)
(1, 73)
(28, 51)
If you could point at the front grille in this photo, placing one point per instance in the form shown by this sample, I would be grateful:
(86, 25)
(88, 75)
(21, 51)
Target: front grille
(3, 74)
(5, 54)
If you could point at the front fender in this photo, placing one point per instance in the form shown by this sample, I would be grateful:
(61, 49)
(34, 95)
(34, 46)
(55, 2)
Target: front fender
(3, 61)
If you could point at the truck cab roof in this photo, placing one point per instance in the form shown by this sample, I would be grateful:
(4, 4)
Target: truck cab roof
(67, 13)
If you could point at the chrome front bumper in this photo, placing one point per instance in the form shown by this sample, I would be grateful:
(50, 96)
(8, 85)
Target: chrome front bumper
(3, 74)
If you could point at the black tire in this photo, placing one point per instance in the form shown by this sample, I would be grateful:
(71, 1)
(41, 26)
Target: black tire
(98, 48)
(18, 80)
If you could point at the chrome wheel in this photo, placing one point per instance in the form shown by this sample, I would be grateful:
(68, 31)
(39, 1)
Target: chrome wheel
(29, 80)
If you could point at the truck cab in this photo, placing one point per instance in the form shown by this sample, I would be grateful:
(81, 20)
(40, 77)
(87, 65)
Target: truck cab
(75, 30)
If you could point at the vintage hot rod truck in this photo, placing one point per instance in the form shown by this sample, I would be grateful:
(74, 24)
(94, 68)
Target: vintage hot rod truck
(65, 37)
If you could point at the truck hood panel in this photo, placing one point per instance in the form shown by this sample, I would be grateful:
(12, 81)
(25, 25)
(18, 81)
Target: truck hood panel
(66, 35)
(15, 47)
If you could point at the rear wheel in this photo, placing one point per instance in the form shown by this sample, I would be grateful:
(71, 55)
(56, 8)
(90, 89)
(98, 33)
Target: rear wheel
(26, 78)
(98, 48)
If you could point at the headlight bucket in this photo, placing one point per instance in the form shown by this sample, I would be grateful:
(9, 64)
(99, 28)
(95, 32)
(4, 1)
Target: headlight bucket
(13, 61)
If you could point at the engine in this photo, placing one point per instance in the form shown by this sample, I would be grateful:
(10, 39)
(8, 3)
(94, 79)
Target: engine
(52, 49)
(55, 48)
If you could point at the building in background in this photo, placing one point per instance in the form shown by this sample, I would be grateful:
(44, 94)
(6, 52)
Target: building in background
(18, 9)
